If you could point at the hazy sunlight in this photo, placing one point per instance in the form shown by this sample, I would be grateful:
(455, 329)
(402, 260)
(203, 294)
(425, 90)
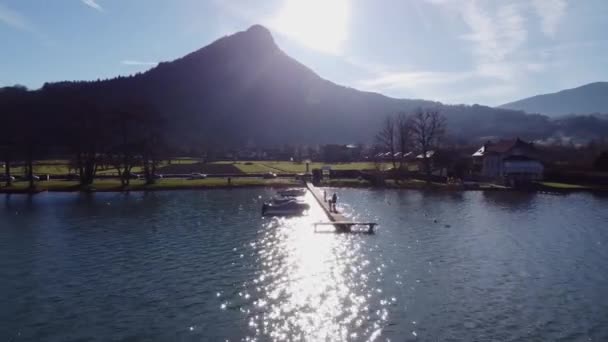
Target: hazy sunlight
(321, 25)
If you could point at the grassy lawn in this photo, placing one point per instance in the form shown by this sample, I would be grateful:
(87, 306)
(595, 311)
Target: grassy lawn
(221, 182)
(414, 183)
(293, 167)
(346, 183)
(189, 165)
(249, 167)
(61, 167)
(171, 183)
(42, 169)
(563, 185)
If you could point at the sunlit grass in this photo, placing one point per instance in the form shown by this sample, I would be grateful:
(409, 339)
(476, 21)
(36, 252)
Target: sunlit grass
(563, 185)
(170, 183)
(295, 167)
(61, 167)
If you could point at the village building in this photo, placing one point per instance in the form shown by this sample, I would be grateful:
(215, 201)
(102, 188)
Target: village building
(508, 161)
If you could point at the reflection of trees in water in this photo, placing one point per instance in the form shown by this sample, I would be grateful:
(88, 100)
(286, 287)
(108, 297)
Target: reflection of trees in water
(431, 198)
(122, 204)
(600, 195)
(512, 200)
(19, 202)
(416, 198)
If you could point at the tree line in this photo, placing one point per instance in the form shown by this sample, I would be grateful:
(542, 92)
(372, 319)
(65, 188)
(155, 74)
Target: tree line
(421, 132)
(94, 135)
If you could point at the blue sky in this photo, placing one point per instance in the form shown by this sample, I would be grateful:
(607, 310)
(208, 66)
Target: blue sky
(454, 51)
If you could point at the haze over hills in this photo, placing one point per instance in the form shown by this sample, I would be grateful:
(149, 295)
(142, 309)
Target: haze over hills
(243, 89)
(587, 99)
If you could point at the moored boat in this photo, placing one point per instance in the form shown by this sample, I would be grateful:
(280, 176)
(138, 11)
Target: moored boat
(295, 192)
(283, 200)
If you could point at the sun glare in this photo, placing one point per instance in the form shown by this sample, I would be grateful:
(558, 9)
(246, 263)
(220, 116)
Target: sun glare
(318, 24)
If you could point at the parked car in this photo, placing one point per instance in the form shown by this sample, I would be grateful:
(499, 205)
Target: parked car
(198, 176)
(157, 176)
(270, 175)
(134, 176)
(27, 178)
(4, 178)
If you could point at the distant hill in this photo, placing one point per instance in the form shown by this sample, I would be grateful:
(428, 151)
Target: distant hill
(588, 99)
(242, 89)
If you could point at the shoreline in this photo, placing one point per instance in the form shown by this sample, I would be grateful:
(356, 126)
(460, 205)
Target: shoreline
(240, 183)
(142, 187)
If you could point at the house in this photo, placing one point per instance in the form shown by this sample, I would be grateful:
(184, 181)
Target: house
(511, 161)
(436, 168)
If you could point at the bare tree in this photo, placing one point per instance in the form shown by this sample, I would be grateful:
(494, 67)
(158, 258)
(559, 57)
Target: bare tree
(29, 137)
(88, 139)
(427, 128)
(7, 156)
(153, 147)
(125, 153)
(10, 110)
(386, 138)
(403, 136)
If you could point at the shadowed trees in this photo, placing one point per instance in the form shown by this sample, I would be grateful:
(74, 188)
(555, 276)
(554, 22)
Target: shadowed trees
(154, 146)
(20, 129)
(404, 130)
(11, 101)
(427, 129)
(88, 134)
(123, 133)
(386, 138)
(601, 163)
(30, 124)
(126, 152)
(116, 136)
(421, 130)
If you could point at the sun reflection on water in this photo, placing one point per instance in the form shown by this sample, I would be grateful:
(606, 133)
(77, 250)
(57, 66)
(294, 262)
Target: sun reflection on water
(314, 286)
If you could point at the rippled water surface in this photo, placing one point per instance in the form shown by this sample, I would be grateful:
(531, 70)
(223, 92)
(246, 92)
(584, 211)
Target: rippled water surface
(203, 265)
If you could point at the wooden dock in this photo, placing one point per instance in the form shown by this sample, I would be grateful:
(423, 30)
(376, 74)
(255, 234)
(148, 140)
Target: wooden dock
(339, 221)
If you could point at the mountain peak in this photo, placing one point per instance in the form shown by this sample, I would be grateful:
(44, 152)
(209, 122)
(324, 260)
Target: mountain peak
(259, 35)
(259, 30)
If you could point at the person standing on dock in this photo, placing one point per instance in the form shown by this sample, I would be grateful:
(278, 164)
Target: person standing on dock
(324, 195)
(334, 200)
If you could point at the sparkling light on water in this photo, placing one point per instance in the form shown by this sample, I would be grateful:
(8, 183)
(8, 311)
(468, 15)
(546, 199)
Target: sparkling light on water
(314, 285)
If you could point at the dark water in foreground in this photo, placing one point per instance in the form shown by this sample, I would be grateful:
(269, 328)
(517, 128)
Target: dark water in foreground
(203, 265)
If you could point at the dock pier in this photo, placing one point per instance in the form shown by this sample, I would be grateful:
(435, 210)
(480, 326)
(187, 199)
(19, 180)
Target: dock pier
(339, 221)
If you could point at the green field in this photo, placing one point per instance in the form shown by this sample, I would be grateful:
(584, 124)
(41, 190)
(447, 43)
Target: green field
(61, 167)
(563, 186)
(293, 167)
(161, 184)
(189, 165)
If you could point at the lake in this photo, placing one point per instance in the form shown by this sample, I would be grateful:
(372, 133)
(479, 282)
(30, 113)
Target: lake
(203, 265)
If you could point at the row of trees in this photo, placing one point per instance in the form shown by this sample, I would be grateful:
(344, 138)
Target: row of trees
(93, 135)
(420, 131)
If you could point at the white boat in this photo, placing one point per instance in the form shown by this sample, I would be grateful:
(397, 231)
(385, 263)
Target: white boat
(283, 200)
(289, 208)
(295, 192)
